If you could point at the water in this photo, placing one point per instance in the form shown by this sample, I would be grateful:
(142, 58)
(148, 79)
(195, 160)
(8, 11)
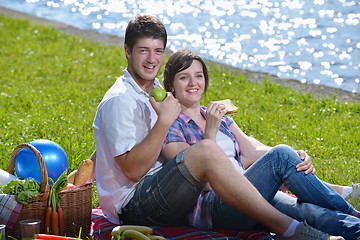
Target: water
(317, 42)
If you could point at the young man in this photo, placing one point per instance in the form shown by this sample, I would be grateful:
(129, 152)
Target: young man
(134, 184)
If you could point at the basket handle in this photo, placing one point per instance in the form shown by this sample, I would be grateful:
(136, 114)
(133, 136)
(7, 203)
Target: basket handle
(45, 188)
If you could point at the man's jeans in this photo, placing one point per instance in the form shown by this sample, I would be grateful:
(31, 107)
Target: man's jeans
(317, 203)
(167, 197)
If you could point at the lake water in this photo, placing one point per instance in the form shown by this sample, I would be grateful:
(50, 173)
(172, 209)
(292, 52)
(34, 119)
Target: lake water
(317, 42)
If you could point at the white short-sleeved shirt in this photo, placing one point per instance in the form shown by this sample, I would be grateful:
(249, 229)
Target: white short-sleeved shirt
(123, 119)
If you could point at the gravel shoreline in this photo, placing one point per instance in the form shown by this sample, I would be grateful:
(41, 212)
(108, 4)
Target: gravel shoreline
(318, 90)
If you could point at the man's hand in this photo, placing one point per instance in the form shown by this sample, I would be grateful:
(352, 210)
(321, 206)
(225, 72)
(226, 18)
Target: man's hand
(306, 164)
(167, 110)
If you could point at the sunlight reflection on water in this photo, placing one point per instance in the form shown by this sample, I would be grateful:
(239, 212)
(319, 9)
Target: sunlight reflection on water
(313, 43)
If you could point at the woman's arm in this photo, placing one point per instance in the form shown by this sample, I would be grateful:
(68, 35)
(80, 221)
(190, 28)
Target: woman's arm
(251, 149)
(172, 149)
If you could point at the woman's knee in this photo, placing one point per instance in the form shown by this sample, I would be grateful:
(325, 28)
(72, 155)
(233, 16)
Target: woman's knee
(283, 148)
(285, 151)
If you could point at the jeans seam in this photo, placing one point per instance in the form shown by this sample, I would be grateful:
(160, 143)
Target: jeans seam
(185, 171)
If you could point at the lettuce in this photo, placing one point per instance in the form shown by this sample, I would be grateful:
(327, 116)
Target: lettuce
(24, 190)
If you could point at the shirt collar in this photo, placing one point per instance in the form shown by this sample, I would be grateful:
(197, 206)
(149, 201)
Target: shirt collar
(128, 78)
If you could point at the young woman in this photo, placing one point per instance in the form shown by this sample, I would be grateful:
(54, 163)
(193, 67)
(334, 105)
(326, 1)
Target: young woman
(267, 168)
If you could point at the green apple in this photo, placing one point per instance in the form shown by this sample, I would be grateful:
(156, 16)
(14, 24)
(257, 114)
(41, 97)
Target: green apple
(158, 93)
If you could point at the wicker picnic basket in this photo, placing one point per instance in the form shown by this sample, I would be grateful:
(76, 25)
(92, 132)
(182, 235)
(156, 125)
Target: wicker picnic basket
(76, 203)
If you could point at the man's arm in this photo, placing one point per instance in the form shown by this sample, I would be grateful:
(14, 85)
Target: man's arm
(148, 151)
(139, 160)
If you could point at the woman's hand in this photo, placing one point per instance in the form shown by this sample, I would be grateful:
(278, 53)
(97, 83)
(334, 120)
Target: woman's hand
(306, 164)
(214, 114)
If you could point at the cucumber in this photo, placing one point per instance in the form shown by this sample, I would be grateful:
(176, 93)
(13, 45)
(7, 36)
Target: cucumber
(118, 230)
(133, 234)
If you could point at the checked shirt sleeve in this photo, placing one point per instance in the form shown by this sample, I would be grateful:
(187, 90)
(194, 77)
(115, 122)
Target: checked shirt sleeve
(175, 134)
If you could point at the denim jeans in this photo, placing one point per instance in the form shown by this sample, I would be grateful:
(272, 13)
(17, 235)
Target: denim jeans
(164, 198)
(330, 221)
(317, 203)
(168, 197)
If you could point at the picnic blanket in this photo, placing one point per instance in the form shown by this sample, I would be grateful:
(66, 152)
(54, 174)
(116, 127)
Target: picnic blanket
(9, 210)
(101, 230)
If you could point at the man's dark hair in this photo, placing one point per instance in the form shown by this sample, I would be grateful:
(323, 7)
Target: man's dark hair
(144, 26)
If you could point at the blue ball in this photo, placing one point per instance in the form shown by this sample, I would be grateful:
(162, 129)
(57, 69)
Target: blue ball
(55, 159)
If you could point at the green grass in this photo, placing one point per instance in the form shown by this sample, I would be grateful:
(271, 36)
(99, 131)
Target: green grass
(51, 84)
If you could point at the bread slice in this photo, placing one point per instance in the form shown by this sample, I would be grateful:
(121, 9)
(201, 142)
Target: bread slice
(231, 108)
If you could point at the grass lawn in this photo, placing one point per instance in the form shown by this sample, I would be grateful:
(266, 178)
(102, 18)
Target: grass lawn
(51, 84)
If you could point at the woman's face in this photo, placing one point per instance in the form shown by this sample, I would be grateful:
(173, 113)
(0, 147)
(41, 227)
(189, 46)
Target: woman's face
(189, 84)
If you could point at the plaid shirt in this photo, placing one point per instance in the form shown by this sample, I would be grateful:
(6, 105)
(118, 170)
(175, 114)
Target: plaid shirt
(184, 129)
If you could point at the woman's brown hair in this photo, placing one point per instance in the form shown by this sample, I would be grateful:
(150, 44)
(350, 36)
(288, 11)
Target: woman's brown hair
(178, 62)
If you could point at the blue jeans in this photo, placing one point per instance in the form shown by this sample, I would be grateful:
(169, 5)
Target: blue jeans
(317, 203)
(168, 197)
(330, 221)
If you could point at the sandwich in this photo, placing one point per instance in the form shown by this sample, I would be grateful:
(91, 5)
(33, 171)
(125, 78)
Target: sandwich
(231, 108)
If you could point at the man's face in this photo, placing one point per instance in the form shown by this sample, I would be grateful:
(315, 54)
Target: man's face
(145, 59)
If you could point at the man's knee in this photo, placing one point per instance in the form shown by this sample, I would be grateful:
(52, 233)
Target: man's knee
(208, 148)
(203, 152)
